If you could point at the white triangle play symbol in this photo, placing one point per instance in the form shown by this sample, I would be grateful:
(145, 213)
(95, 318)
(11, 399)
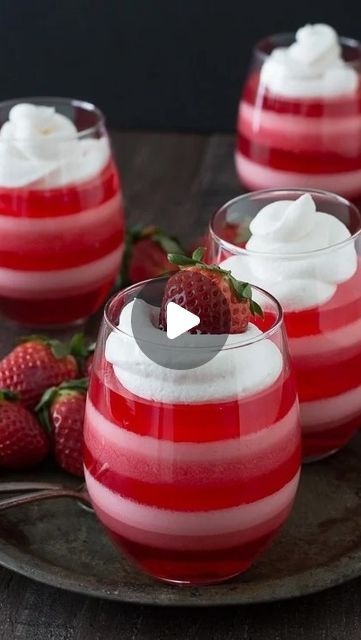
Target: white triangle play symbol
(179, 320)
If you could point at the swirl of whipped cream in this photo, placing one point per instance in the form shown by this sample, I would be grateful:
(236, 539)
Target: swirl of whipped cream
(293, 227)
(312, 66)
(41, 148)
(231, 373)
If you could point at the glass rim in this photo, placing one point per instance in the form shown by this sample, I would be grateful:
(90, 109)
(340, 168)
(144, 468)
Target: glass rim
(344, 41)
(276, 325)
(302, 254)
(81, 104)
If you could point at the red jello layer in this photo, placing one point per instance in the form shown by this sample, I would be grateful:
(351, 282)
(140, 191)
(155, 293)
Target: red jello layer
(318, 379)
(322, 442)
(175, 422)
(298, 161)
(336, 107)
(64, 253)
(62, 201)
(195, 567)
(58, 311)
(343, 308)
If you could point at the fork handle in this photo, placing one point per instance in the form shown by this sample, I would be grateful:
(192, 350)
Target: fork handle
(8, 503)
(18, 486)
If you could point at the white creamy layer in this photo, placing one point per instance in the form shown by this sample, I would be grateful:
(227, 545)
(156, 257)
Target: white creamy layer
(312, 66)
(295, 227)
(41, 148)
(231, 373)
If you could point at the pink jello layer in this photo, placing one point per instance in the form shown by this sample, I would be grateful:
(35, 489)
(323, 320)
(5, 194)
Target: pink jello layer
(185, 498)
(313, 143)
(58, 266)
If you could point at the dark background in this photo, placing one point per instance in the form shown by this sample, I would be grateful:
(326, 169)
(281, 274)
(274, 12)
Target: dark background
(150, 64)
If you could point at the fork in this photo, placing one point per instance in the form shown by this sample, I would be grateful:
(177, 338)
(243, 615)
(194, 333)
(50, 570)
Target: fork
(36, 491)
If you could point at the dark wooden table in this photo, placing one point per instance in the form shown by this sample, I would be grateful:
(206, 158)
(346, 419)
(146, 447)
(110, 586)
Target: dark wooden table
(175, 181)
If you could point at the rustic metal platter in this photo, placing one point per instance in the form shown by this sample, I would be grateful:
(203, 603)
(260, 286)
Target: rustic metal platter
(61, 544)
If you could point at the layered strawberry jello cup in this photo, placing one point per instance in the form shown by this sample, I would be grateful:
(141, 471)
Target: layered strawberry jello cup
(305, 249)
(61, 215)
(299, 121)
(191, 469)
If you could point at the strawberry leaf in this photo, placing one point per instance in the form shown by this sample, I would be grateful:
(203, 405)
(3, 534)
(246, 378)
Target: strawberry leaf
(181, 260)
(198, 254)
(80, 346)
(59, 349)
(255, 309)
(10, 396)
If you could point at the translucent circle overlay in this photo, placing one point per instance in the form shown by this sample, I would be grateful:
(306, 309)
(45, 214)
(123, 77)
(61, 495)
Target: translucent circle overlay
(187, 351)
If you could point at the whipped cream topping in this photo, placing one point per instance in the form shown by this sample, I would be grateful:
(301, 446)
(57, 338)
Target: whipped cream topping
(41, 148)
(231, 373)
(294, 227)
(312, 66)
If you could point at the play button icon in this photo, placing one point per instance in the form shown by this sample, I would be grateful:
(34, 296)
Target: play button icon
(175, 348)
(179, 320)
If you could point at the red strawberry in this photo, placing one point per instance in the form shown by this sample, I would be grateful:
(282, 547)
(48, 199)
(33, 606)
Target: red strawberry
(223, 304)
(23, 442)
(146, 255)
(61, 410)
(34, 365)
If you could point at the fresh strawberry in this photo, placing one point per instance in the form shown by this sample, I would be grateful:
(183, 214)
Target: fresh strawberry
(223, 304)
(61, 411)
(34, 365)
(145, 255)
(23, 442)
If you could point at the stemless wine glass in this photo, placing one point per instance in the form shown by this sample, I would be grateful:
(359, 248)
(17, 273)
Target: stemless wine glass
(320, 292)
(191, 471)
(286, 141)
(61, 213)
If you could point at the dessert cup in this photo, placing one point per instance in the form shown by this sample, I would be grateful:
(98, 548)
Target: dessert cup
(192, 471)
(320, 292)
(61, 213)
(308, 134)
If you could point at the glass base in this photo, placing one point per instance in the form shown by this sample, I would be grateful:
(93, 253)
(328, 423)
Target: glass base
(323, 456)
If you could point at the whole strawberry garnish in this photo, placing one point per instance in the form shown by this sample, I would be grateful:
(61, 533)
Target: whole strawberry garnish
(35, 365)
(222, 303)
(23, 442)
(146, 253)
(61, 411)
